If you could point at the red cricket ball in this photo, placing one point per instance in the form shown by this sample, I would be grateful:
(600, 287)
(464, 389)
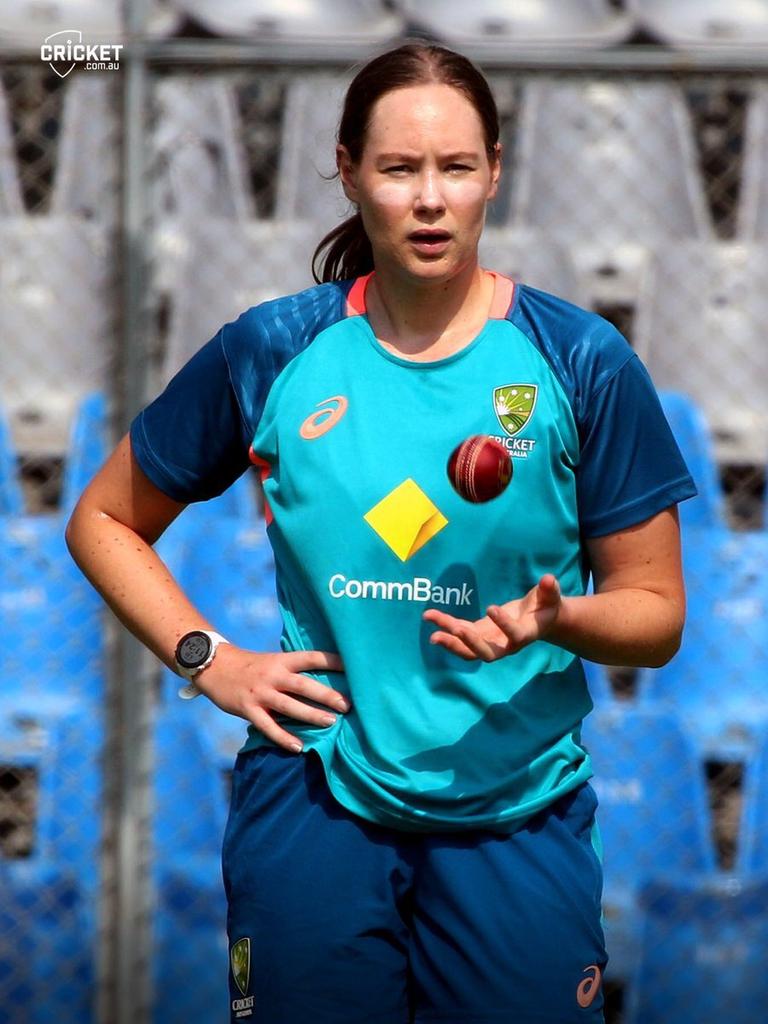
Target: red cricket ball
(480, 468)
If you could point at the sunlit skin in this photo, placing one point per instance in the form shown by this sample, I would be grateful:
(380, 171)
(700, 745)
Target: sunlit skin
(424, 166)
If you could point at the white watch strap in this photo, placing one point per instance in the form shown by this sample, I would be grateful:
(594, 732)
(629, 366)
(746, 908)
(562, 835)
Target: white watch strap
(189, 690)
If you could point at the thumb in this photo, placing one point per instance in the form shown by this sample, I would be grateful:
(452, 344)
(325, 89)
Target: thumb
(549, 590)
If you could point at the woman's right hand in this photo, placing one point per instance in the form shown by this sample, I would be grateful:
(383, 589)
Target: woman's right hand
(257, 686)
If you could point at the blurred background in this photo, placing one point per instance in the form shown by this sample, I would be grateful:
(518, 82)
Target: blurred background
(143, 205)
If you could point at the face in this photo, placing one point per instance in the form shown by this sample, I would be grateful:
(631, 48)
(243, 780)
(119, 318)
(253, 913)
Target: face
(423, 181)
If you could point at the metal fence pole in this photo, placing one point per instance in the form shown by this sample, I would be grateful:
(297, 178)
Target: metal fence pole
(132, 693)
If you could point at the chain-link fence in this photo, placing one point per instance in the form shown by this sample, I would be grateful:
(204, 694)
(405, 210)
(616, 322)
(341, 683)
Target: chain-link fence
(640, 193)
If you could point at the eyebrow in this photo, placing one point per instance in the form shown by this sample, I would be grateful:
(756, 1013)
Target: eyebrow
(461, 155)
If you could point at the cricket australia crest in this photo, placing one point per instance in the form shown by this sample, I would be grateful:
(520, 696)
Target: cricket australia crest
(514, 405)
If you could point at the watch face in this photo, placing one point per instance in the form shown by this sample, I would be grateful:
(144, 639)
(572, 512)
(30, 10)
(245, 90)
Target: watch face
(193, 649)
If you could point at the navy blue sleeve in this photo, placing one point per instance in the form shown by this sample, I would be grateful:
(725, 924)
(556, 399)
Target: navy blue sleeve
(193, 440)
(630, 466)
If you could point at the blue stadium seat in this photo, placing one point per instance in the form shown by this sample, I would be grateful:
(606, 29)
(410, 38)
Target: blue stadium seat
(189, 924)
(87, 448)
(716, 682)
(652, 814)
(703, 952)
(753, 834)
(190, 810)
(225, 566)
(47, 969)
(11, 497)
(62, 754)
(53, 614)
(693, 436)
(190, 958)
(599, 683)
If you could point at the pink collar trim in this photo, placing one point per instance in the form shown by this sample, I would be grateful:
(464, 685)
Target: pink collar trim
(501, 303)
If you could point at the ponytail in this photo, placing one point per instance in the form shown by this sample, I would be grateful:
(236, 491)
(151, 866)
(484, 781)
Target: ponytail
(348, 252)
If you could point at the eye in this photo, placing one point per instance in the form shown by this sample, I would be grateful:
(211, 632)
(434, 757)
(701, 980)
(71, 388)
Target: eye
(397, 169)
(459, 168)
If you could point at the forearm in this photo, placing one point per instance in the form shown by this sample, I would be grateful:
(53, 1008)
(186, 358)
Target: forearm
(620, 627)
(133, 580)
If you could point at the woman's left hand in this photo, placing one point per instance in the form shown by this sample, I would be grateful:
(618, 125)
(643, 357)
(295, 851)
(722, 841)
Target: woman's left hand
(505, 629)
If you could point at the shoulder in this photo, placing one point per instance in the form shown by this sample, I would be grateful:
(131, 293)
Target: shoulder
(584, 350)
(266, 337)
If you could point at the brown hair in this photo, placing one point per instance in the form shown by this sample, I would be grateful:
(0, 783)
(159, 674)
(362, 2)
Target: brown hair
(349, 252)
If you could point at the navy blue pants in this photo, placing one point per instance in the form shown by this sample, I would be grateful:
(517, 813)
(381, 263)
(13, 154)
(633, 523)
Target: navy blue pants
(335, 920)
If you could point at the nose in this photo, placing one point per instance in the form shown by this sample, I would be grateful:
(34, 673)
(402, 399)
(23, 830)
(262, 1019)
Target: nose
(429, 196)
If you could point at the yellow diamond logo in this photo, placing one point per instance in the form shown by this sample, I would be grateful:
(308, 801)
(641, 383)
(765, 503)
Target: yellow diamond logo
(406, 519)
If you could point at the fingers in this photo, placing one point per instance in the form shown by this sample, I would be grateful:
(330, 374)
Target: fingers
(315, 691)
(462, 637)
(516, 632)
(454, 645)
(266, 724)
(313, 661)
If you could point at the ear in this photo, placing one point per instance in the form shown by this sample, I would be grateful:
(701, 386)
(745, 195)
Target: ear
(347, 173)
(495, 162)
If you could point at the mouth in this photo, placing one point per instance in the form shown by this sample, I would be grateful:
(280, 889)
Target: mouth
(430, 240)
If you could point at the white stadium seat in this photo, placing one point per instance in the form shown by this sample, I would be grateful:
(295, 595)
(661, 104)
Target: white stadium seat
(492, 26)
(608, 167)
(710, 23)
(369, 21)
(25, 24)
(11, 203)
(531, 257)
(199, 163)
(752, 219)
(700, 329)
(56, 335)
(220, 268)
(86, 178)
(308, 151)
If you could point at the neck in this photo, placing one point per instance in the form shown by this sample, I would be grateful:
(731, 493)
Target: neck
(428, 319)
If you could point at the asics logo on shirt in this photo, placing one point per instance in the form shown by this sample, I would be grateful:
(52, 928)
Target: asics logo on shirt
(589, 986)
(327, 416)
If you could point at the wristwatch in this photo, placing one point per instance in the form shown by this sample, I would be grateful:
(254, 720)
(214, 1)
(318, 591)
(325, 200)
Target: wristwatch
(194, 652)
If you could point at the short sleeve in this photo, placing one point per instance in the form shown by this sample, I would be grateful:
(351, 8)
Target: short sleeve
(192, 440)
(630, 467)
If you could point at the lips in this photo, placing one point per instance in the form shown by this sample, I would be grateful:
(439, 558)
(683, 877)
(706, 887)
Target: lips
(430, 243)
(424, 235)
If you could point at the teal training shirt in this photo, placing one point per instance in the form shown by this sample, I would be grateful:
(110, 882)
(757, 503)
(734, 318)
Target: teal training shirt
(352, 442)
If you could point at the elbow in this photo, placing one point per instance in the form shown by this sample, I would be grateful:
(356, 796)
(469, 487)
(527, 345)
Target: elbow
(669, 643)
(72, 536)
(75, 532)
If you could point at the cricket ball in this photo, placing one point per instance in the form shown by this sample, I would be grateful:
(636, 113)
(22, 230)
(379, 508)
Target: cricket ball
(480, 468)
